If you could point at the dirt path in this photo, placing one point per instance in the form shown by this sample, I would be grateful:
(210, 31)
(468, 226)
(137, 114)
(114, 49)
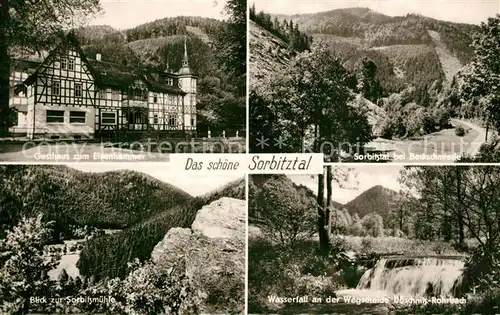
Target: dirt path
(475, 145)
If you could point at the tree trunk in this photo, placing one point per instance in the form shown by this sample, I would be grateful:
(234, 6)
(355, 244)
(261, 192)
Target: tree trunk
(461, 234)
(329, 178)
(487, 130)
(324, 243)
(4, 68)
(323, 236)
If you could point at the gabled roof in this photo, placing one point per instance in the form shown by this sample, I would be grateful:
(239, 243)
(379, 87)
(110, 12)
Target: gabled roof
(70, 39)
(122, 76)
(107, 73)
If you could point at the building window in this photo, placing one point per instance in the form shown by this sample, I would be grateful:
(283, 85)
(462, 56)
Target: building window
(108, 118)
(55, 116)
(137, 94)
(155, 99)
(172, 120)
(64, 63)
(155, 118)
(78, 90)
(71, 64)
(193, 122)
(76, 117)
(56, 88)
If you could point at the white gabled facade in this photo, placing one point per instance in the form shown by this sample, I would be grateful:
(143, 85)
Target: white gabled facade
(70, 96)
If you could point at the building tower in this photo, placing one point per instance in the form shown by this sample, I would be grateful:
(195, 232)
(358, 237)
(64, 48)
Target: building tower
(187, 82)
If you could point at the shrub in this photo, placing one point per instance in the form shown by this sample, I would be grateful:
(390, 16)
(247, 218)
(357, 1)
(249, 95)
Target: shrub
(482, 272)
(357, 229)
(145, 290)
(367, 245)
(279, 270)
(387, 129)
(460, 131)
(340, 221)
(373, 224)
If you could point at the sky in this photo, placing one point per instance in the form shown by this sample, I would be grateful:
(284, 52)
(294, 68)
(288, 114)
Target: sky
(463, 11)
(123, 14)
(193, 184)
(362, 178)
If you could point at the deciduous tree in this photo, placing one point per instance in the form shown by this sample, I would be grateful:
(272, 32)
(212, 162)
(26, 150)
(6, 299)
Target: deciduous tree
(289, 212)
(33, 25)
(483, 79)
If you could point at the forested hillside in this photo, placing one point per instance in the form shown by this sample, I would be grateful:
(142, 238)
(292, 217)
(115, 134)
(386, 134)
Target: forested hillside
(402, 47)
(143, 207)
(377, 203)
(377, 199)
(374, 29)
(273, 61)
(108, 255)
(409, 68)
(284, 30)
(159, 45)
(72, 198)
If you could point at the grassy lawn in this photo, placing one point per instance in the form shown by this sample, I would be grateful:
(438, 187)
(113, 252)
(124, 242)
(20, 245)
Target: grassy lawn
(386, 245)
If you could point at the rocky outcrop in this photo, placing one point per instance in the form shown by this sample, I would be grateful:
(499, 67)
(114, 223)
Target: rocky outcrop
(213, 250)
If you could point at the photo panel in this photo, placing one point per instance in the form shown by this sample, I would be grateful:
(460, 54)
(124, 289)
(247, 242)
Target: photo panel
(121, 239)
(369, 239)
(103, 78)
(375, 81)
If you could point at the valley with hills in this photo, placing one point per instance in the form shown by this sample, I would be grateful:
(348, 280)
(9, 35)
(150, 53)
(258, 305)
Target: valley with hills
(94, 233)
(406, 75)
(415, 241)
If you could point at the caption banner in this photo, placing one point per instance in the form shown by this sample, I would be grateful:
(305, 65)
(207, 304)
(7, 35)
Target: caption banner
(248, 163)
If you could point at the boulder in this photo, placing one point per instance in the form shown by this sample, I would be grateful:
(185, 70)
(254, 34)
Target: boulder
(213, 250)
(221, 219)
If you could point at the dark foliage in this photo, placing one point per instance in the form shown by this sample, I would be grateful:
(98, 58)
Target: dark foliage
(117, 199)
(377, 29)
(107, 256)
(287, 31)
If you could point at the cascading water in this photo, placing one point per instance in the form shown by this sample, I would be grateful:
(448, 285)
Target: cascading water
(410, 277)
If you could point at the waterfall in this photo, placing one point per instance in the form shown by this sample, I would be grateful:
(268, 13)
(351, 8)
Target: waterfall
(415, 277)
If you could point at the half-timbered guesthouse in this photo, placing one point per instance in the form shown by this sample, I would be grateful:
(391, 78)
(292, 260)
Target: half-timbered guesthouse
(71, 96)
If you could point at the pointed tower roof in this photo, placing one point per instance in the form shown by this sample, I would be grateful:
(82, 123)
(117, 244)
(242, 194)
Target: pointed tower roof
(185, 63)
